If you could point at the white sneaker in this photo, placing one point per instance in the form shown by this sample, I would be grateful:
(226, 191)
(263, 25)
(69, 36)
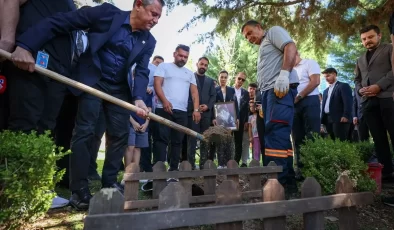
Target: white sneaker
(59, 202)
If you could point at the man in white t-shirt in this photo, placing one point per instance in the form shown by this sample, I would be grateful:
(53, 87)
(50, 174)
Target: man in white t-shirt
(172, 84)
(307, 103)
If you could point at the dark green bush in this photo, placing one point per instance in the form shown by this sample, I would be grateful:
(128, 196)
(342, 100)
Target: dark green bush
(365, 150)
(325, 160)
(27, 176)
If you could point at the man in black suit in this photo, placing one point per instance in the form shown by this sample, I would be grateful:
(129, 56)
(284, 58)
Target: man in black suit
(241, 139)
(337, 106)
(207, 94)
(358, 118)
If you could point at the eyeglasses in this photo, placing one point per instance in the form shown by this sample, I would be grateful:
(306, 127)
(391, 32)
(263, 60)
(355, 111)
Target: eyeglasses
(241, 79)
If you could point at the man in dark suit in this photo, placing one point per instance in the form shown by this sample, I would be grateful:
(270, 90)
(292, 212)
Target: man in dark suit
(337, 106)
(358, 118)
(118, 39)
(241, 139)
(375, 84)
(35, 101)
(207, 94)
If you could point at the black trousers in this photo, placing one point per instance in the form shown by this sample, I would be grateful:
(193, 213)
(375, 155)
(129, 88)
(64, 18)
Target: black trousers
(363, 130)
(35, 100)
(165, 136)
(238, 136)
(203, 125)
(379, 115)
(63, 133)
(337, 130)
(117, 131)
(96, 142)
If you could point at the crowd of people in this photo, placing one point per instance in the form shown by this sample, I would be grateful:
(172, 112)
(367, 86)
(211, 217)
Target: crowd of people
(110, 50)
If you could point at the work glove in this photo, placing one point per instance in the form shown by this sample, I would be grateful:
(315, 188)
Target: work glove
(281, 86)
(391, 24)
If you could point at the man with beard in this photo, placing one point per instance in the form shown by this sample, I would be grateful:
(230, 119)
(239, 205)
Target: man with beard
(172, 85)
(375, 84)
(207, 97)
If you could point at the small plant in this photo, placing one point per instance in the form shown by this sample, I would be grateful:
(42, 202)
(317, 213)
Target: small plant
(326, 160)
(27, 176)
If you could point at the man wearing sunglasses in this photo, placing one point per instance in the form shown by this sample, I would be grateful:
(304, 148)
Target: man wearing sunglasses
(241, 140)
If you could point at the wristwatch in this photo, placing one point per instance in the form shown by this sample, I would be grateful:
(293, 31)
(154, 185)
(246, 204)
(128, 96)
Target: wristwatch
(299, 97)
(196, 110)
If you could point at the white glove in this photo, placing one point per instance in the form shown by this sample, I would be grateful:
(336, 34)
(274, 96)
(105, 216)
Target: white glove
(281, 86)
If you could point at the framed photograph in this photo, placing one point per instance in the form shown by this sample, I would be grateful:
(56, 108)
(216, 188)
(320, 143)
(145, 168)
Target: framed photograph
(225, 115)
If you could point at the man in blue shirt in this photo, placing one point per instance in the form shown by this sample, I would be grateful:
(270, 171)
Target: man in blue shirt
(118, 39)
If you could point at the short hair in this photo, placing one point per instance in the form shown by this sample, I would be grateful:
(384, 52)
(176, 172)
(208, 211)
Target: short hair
(205, 58)
(149, 2)
(243, 73)
(223, 71)
(250, 23)
(84, 7)
(158, 57)
(183, 47)
(370, 27)
(253, 85)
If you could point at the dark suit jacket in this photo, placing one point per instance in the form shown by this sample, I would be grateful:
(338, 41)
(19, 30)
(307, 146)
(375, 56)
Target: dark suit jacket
(378, 71)
(230, 96)
(102, 21)
(340, 103)
(244, 107)
(207, 95)
(357, 111)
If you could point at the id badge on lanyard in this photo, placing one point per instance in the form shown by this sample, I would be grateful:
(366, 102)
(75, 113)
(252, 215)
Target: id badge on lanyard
(42, 59)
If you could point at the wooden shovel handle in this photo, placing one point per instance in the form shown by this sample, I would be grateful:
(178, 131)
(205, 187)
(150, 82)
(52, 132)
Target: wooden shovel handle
(104, 96)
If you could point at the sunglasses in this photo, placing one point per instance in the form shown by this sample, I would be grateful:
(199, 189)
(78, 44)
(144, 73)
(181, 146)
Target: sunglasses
(241, 79)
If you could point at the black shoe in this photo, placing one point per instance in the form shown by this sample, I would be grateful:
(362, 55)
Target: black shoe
(148, 186)
(243, 165)
(94, 176)
(116, 185)
(80, 199)
(388, 201)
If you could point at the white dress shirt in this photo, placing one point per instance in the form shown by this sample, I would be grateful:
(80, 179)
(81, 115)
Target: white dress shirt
(238, 93)
(327, 105)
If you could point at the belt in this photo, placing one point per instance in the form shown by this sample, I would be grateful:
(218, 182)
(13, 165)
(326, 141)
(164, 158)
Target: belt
(294, 85)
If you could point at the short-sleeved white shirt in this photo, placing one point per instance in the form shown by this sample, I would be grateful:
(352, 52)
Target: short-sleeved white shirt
(176, 85)
(304, 69)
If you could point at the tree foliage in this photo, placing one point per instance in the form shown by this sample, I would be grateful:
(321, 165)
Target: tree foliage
(315, 21)
(233, 54)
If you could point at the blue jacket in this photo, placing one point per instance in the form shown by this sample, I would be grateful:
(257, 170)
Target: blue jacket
(102, 21)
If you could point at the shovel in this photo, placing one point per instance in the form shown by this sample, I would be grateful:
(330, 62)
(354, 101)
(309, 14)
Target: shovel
(104, 96)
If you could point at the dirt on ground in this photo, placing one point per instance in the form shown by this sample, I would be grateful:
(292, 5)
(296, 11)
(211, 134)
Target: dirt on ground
(376, 216)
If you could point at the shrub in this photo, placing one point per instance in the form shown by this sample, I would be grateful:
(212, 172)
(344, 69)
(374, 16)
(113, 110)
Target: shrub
(27, 176)
(326, 160)
(365, 150)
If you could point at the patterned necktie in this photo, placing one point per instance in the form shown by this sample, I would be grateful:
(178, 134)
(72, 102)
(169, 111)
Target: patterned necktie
(80, 46)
